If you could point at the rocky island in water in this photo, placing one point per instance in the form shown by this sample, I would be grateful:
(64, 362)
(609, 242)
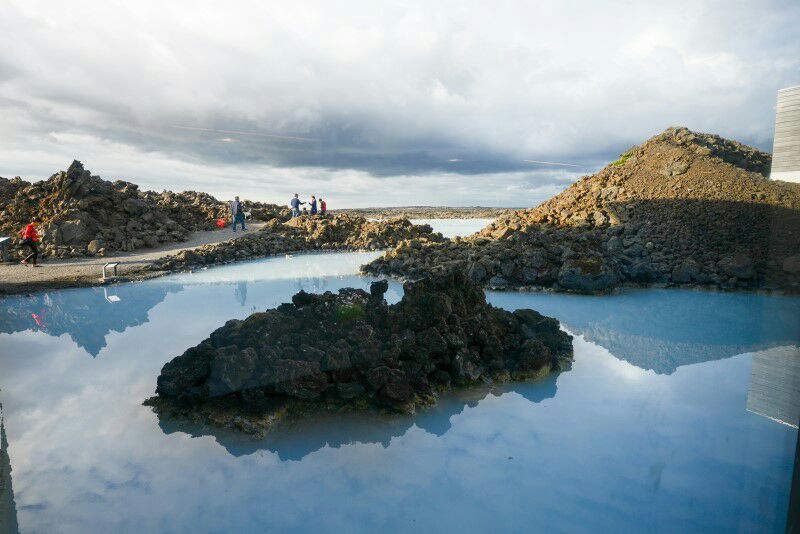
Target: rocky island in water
(352, 350)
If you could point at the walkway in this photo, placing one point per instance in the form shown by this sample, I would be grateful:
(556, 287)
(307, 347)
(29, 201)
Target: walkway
(17, 278)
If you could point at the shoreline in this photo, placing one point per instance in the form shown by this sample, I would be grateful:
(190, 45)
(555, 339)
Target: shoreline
(265, 240)
(142, 274)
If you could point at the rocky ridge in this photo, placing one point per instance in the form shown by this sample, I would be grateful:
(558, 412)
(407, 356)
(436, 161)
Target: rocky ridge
(84, 215)
(339, 232)
(427, 212)
(682, 208)
(352, 349)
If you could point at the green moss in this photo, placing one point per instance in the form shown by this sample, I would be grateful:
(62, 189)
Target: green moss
(622, 159)
(350, 312)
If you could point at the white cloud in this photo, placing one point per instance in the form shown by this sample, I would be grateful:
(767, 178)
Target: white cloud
(394, 94)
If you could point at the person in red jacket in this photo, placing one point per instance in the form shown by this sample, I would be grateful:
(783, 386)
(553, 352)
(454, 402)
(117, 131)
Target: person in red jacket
(323, 207)
(29, 239)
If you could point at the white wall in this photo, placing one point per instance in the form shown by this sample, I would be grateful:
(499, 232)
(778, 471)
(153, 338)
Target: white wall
(786, 148)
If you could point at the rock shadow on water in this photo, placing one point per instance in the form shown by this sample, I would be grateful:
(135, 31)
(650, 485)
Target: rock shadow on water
(298, 438)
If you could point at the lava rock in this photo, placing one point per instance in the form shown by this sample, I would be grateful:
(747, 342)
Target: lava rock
(441, 332)
(585, 276)
(80, 211)
(683, 207)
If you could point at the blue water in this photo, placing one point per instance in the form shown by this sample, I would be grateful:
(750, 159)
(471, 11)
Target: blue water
(455, 227)
(649, 431)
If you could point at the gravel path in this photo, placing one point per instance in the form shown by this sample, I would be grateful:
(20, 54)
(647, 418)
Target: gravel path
(17, 278)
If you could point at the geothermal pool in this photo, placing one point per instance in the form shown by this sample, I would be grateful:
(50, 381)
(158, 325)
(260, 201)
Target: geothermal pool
(663, 423)
(455, 227)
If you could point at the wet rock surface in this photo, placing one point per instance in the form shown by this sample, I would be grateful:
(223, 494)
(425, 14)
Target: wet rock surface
(683, 208)
(353, 350)
(84, 215)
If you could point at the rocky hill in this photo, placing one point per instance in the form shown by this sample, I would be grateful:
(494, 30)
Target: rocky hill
(356, 350)
(682, 208)
(83, 214)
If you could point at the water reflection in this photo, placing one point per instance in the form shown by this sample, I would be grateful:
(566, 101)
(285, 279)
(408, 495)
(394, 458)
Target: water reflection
(88, 315)
(296, 439)
(241, 293)
(774, 390)
(8, 508)
(661, 330)
(658, 330)
(618, 448)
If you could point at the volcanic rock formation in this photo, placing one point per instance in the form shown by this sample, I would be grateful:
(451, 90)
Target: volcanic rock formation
(352, 349)
(83, 214)
(683, 208)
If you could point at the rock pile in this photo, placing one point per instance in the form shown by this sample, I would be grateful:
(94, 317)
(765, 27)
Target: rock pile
(83, 214)
(340, 232)
(346, 231)
(199, 211)
(353, 349)
(682, 208)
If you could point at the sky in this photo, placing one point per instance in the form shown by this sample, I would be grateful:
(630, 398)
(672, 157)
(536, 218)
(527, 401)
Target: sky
(379, 103)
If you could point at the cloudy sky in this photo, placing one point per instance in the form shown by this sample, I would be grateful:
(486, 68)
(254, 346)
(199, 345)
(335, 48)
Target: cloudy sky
(379, 103)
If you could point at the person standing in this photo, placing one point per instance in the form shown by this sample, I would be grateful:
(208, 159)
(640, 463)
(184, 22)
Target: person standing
(295, 204)
(323, 207)
(237, 213)
(29, 240)
(313, 205)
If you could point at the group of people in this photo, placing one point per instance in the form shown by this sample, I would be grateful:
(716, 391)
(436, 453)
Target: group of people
(315, 207)
(320, 208)
(30, 237)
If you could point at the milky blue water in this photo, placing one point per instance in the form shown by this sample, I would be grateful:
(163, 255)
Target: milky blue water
(650, 430)
(455, 227)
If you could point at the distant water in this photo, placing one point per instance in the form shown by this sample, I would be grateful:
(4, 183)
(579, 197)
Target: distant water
(649, 431)
(455, 227)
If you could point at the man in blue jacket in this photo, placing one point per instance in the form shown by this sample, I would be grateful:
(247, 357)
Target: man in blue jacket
(295, 204)
(237, 213)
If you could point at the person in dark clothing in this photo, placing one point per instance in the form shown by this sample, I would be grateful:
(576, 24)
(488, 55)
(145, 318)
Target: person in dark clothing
(313, 205)
(237, 213)
(295, 204)
(29, 239)
(323, 207)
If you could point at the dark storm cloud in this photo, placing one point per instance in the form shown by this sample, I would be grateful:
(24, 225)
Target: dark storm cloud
(409, 89)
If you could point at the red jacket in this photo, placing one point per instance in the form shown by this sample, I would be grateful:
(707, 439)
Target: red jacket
(323, 206)
(30, 233)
